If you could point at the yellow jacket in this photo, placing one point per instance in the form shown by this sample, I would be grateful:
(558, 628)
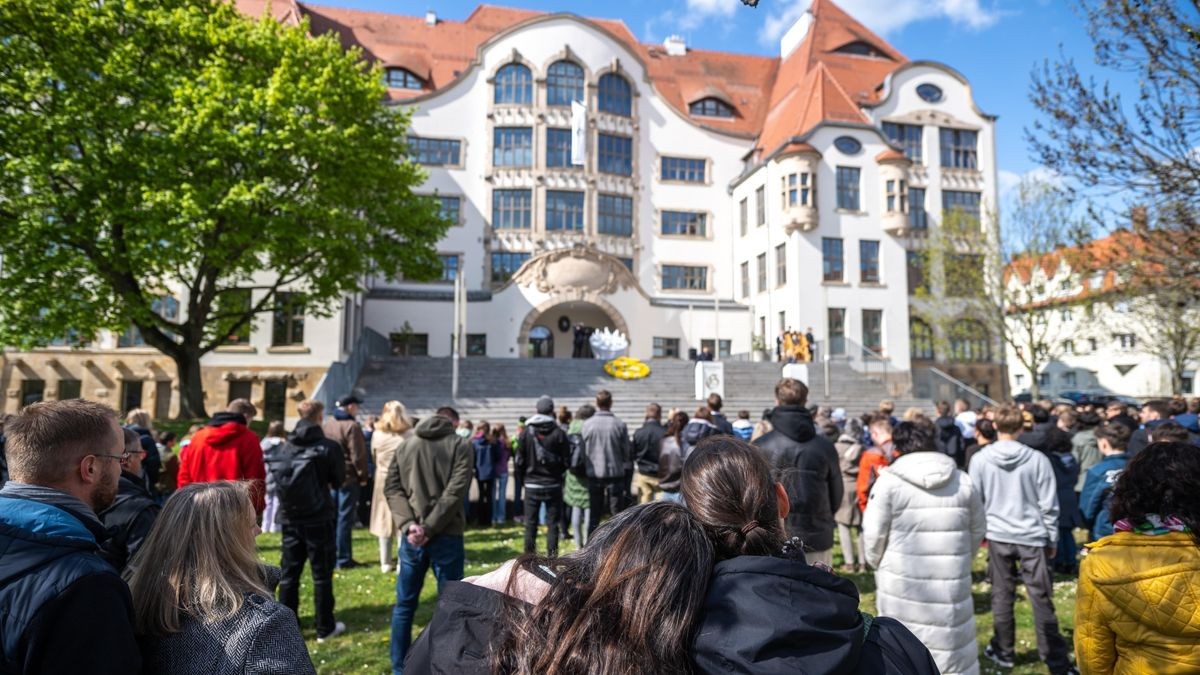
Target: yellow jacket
(1138, 605)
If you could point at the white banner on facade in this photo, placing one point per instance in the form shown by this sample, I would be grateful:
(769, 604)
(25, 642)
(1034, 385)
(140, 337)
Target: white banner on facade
(578, 133)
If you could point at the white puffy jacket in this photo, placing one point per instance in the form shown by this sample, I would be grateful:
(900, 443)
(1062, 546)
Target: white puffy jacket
(922, 526)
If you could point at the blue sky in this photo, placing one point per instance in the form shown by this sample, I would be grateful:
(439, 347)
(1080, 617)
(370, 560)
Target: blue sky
(995, 43)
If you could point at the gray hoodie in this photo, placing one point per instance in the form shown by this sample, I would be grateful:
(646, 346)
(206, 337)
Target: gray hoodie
(1019, 492)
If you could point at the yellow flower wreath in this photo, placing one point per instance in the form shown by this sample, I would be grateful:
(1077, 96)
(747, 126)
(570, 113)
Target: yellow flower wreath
(626, 368)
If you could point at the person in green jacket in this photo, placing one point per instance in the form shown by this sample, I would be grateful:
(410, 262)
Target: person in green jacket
(575, 491)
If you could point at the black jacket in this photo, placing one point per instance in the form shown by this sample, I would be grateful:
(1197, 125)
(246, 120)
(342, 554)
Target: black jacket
(307, 443)
(647, 443)
(1141, 437)
(949, 440)
(721, 422)
(766, 615)
(151, 463)
(807, 465)
(458, 637)
(128, 520)
(532, 470)
(1048, 438)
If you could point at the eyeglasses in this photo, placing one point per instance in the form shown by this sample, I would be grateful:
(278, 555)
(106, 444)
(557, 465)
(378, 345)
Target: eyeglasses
(123, 456)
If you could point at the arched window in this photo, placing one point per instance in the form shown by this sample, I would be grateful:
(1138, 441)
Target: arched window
(514, 84)
(616, 96)
(970, 341)
(711, 107)
(401, 78)
(564, 83)
(920, 339)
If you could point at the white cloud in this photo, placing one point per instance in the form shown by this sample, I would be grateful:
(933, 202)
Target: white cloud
(1008, 180)
(885, 16)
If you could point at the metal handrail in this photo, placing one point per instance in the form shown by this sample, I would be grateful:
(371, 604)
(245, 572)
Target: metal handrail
(963, 386)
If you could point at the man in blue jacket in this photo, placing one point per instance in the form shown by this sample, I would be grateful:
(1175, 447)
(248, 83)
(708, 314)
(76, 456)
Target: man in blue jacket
(65, 609)
(1113, 441)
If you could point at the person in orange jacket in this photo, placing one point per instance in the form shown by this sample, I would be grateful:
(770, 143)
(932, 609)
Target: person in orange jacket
(874, 458)
(1135, 607)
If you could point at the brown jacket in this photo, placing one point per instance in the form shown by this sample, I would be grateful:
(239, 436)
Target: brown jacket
(350, 436)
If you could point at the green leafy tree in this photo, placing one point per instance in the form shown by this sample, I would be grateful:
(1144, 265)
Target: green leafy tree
(153, 148)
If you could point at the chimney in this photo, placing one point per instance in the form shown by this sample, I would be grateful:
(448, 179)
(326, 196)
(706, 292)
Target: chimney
(430, 17)
(795, 35)
(1137, 215)
(675, 45)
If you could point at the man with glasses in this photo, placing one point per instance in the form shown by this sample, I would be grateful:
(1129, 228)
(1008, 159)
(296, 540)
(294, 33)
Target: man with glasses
(133, 512)
(66, 610)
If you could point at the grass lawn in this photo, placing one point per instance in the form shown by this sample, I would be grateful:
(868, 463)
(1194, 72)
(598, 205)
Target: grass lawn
(365, 597)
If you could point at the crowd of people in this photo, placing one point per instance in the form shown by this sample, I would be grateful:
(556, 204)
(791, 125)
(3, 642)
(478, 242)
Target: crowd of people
(716, 555)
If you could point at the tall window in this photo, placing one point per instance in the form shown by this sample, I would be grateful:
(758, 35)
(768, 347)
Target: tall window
(969, 341)
(512, 209)
(762, 272)
(868, 261)
(745, 279)
(684, 224)
(614, 95)
(743, 215)
(514, 85)
(236, 301)
(435, 151)
(916, 272)
(450, 209)
(917, 218)
(614, 215)
(760, 199)
(896, 196)
(872, 329)
(958, 148)
(558, 148)
(287, 326)
(399, 78)
(615, 155)
(831, 259)
(512, 146)
(505, 264)
(797, 189)
(710, 107)
(920, 339)
(683, 169)
(1126, 341)
(837, 331)
(69, 389)
(564, 210)
(684, 278)
(666, 348)
(964, 274)
(847, 188)
(450, 265)
(564, 83)
(781, 264)
(966, 203)
(907, 136)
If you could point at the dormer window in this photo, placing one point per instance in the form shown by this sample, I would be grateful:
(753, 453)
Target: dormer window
(861, 48)
(402, 78)
(711, 107)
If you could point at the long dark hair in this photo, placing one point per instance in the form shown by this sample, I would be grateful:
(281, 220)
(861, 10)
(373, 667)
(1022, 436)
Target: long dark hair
(727, 483)
(1163, 479)
(675, 426)
(625, 604)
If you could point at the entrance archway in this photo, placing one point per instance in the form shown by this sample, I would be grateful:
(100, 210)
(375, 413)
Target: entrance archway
(594, 313)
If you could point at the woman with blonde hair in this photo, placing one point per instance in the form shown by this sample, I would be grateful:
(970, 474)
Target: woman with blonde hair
(202, 602)
(393, 427)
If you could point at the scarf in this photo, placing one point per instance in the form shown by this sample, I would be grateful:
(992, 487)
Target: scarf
(1154, 525)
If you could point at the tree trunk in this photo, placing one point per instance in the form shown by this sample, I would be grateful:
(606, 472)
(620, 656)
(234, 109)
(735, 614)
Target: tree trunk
(191, 384)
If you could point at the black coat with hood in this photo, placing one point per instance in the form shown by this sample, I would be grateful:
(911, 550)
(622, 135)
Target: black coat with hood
(529, 467)
(767, 615)
(307, 443)
(807, 465)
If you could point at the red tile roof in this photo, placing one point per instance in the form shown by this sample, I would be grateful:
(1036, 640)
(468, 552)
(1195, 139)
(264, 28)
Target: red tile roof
(775, 98)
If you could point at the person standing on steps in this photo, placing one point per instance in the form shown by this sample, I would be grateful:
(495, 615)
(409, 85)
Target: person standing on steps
(307, 469)
(343, 428)
(542, 458)
(647, 443)
(609, 451)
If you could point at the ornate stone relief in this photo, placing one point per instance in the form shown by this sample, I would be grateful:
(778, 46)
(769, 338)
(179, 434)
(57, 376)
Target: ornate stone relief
(579, 270)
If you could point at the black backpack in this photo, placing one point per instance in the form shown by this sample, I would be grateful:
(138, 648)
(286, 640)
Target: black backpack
(553, 463)
(302, 492)
(579, 458)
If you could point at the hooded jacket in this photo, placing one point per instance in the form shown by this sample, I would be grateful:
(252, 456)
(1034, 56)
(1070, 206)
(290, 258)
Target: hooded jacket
(1135, 609)
(850, 452)
(769, 615)
(1093, 500)
(307, 443)
(429, 477)
(695, 431)
(226, 449)
(808, 464)
(530, 469)
(344, 430)
(949, 440)
(923, 524)
(1019, 494)
(129, 520)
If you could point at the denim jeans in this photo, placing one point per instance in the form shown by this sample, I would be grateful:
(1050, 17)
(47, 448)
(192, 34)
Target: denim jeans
(314, 543)
(446, 554)
(347, 505)
(500, 499)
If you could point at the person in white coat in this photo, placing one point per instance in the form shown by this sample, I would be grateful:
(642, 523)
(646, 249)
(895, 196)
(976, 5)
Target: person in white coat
(923, 524)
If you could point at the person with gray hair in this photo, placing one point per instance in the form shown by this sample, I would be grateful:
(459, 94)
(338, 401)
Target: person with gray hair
(66, 610)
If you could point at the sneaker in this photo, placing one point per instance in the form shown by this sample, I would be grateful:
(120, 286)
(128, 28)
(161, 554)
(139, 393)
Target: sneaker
(996, 658)
(349, 565)
(385, 568)
(338, 629)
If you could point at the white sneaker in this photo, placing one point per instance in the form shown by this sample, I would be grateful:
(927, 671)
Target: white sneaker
(338, 629)
(385, 568)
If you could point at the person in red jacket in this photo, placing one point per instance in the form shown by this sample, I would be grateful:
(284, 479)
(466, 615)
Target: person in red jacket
(226, 449)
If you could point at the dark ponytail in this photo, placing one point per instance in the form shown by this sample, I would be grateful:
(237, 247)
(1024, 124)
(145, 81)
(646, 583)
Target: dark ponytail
(727, 484)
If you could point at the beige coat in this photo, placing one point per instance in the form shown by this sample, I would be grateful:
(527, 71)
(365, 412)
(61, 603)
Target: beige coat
(383, 447)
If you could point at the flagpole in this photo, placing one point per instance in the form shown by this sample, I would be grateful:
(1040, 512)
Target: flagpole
(456, 335)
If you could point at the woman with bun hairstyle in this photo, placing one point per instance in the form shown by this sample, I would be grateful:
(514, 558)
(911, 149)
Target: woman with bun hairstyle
(767, 610)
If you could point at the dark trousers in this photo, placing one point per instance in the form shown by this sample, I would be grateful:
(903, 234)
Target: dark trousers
(347, 505)
(315, 544)
(445, 553)
(604, 495)
(1008, 564)
(483, 507)
(1065, 557)
(534, 499)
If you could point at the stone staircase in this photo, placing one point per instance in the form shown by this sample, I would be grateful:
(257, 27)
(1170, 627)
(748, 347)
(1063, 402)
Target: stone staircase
(502, 390)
